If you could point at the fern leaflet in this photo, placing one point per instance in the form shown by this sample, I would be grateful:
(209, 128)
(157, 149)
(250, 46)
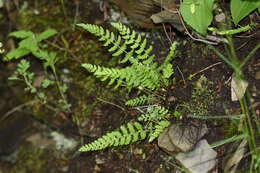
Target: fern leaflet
(138, 101)
(158, 129)
(154, 113)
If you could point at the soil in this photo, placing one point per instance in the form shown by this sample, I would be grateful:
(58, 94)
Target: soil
(96, 108)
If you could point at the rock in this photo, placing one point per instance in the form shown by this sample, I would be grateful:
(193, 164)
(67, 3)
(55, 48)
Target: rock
(201, 160)
(168, 17)
(220, 17)
(180, 139)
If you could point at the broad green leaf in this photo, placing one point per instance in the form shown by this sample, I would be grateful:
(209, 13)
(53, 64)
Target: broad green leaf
(21, 34)
(16, 53)
(46, 34)
(242, 8)
(29, 43)
(197, 14)
(2, 3)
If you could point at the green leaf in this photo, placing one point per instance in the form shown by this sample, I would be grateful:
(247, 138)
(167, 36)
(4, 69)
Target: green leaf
(29, 43)
(13, 78)
(46, 83)
(46, 34)
(167, 71)
(21, 34)
(197, 14)
(242, 8)
(16, 53)
(23, 66)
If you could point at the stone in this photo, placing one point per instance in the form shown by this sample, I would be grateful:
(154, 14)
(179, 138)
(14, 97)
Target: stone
(201, 160)
(178, 138)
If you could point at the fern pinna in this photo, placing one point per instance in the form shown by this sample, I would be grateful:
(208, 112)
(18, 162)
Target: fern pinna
(143, 72)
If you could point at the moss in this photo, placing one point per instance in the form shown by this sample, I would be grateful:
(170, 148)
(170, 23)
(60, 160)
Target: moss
(202, 98)
(40, 19)
(35, 160)
(29, 160)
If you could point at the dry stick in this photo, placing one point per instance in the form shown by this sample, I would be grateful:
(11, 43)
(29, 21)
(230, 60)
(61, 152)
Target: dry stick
(241, 46)
(193, 38)
(168, 37)
(64, 49)
(246, 36)
(111, 103)
(17, 108)
(76, 15)
(181, 75)
(206, 68)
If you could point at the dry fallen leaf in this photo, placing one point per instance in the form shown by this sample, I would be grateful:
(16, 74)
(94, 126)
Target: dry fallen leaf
(238, 88)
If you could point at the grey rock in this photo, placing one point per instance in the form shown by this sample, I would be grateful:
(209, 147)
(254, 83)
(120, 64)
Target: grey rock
(181, 139)
(201, 160)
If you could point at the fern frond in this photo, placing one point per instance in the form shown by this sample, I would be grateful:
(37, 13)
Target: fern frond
(133, 39)
(126, 134)
(104, 73)
(154, 113)
(138, 100)
(170, 56)
(142, 47)
(107, 36)
(132, 77)
(158, 129)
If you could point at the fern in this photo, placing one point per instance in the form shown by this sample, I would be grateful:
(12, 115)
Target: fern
(158, 129)
(131, 132)
(142, 73)
(138, 101)
(154, 113)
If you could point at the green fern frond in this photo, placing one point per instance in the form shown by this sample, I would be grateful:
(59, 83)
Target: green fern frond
(107, 36)
(143, 72)
(158, 129)
(131, 77)
(170, 56)
(104, 73)
(154, 113)
(138, 101)
(126, 134)
(135, 40)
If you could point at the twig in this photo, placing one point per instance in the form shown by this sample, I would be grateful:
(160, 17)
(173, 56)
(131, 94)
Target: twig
(63, 49)
(181, 75)
(206, 68)
(111, 103)
(17, 108)
(193, 38)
